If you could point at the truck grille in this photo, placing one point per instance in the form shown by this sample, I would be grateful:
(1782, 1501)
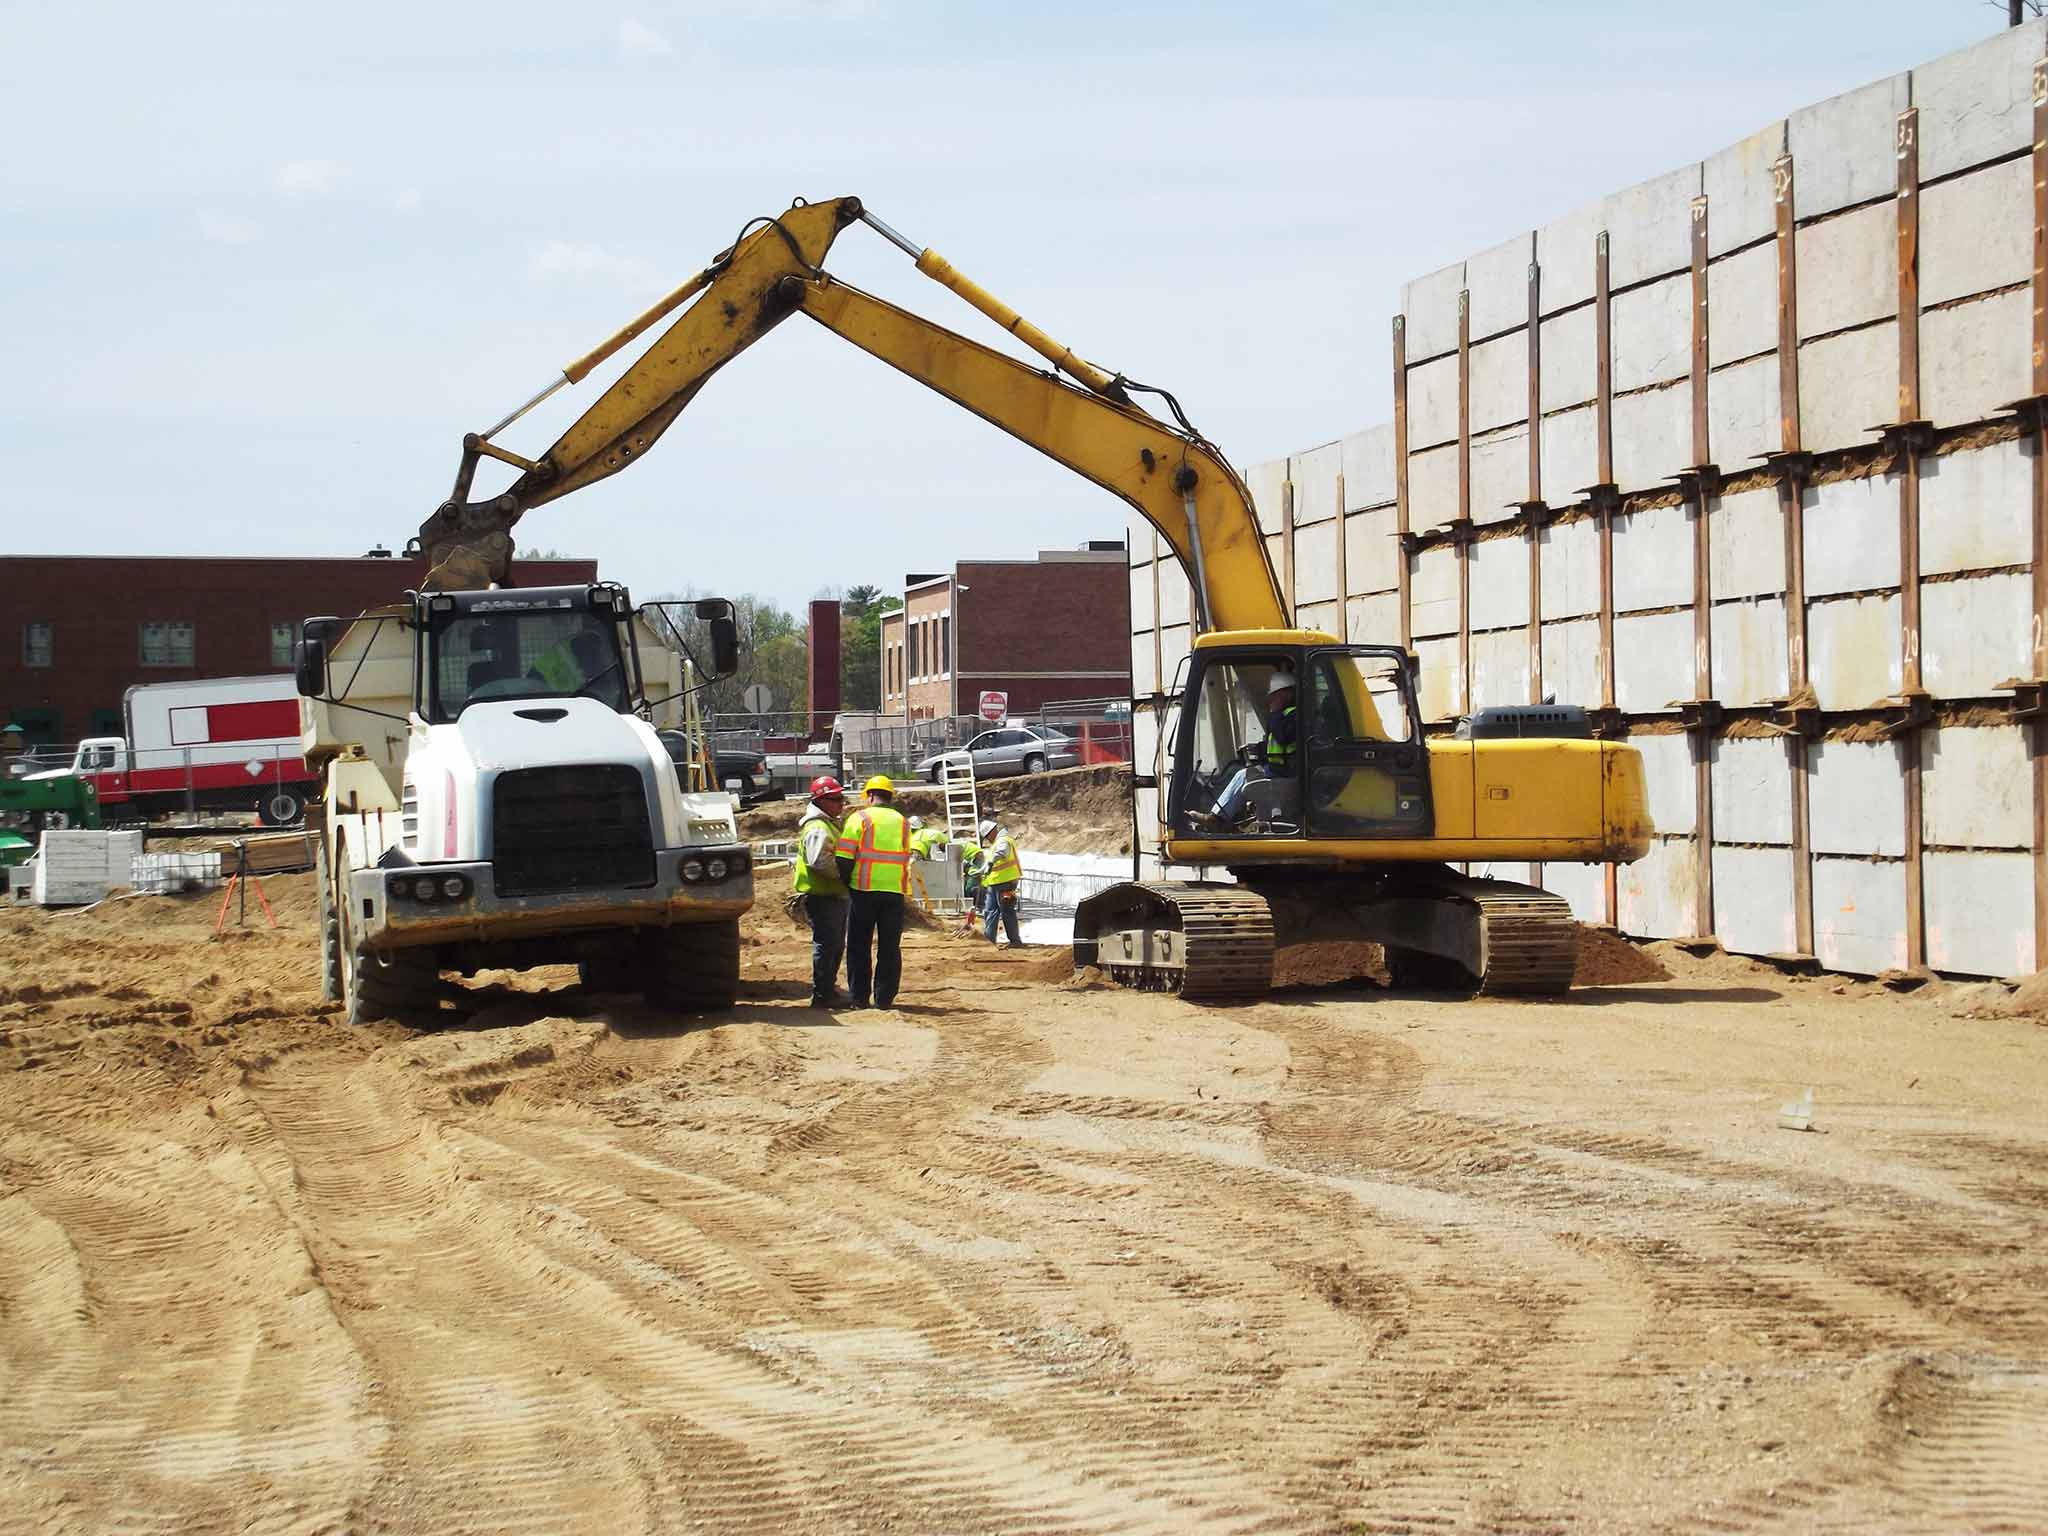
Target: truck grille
(570, 829)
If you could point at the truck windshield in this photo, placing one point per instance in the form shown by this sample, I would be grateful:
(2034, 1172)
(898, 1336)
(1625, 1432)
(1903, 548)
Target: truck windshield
(476, 657)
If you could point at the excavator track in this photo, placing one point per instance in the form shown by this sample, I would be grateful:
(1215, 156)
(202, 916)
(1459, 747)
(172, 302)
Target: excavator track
(1528, 939)
(1210, 943)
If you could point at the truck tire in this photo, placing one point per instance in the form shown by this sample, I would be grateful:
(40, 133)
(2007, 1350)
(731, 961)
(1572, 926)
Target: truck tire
(330, 932)
(404, 986)
(281, 805)
(695, 967)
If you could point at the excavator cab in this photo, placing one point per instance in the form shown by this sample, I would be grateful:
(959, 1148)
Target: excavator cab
(1300, 740)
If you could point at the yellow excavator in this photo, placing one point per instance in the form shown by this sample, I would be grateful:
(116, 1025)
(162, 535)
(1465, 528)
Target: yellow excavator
(1298, 760)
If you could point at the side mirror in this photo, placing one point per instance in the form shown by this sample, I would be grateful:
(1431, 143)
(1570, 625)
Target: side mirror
(725, 635)
(311, 667)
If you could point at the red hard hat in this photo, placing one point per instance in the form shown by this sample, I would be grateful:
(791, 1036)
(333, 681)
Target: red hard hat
(825, 787)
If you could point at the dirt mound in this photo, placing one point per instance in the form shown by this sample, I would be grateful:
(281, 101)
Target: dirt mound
(1606, 959)
(1329, 964)
(2028, 1001)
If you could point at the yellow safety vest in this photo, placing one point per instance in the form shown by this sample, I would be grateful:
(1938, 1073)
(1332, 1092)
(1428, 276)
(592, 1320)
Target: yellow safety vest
(877, 839)
(1004, 867)
(926, 840)
(827, 882)
(559, 668)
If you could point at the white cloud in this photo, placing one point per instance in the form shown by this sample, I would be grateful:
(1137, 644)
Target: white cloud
(228, 228)
(578, 262)
(309, 178)
(407, 201)
(637, 40)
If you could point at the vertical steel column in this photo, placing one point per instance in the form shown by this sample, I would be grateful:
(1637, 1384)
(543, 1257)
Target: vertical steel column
(1907, 145)
(1532, 504)
(1401, 476)
(1703, 477)
(1343, 558)
(1604, 500)
(1287, 539)
(1462, 533)
(1791, 490)
(2038, 728)
(1160, 682)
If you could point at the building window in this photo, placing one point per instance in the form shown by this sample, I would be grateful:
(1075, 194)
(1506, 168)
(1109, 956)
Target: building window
(167, 643)
(281, 644)
(38, 645)
(945, 643)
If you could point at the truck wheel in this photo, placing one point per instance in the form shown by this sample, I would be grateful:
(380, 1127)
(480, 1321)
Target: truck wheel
(281, 806)
(404, 985)
(695, 968)
(330, 932)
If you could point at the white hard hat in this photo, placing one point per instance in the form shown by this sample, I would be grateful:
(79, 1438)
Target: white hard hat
(1278, 681)
(988, 827)
(916, 823)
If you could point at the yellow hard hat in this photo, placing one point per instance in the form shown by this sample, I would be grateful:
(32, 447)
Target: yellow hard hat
(879, 784)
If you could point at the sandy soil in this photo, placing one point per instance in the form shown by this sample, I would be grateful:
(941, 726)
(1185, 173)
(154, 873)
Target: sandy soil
(1024, 1254)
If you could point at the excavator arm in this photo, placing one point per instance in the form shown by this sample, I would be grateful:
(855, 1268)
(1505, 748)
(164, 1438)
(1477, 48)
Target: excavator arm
(1167, 472)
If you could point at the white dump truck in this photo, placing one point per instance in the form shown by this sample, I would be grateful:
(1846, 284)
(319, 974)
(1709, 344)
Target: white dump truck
(495, 795)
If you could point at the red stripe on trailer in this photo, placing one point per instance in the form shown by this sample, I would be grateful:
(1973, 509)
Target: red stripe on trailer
(257, 720)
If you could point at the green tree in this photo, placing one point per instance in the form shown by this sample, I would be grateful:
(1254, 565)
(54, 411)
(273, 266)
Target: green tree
(774, 652)
(860, 645)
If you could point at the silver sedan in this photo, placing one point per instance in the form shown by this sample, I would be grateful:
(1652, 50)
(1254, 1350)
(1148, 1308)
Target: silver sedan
(1010, 749)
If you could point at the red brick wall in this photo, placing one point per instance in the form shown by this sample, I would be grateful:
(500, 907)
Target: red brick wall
(1019, 618)
(97, 606)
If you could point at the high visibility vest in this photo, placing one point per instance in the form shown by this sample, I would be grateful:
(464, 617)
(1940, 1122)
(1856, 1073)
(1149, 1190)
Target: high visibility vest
(926, 841)
(877, 839)
(559, 668)
(1280, 754)
(827, 881)
(1004, 868)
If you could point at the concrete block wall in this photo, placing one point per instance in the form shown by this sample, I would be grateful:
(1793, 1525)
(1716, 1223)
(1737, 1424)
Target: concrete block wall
(1826, 642)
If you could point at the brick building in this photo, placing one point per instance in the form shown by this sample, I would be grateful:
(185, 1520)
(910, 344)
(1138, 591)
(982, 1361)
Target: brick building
(79, 631)
(1039, 630)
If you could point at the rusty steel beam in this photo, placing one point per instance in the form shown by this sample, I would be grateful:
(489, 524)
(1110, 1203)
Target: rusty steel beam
(1532, 505)
(1907, 150)
(1160, 682)
(1791, 504)
(1702, 482)
(1604, 502)
(1287, 539)
(1343, 564)
(1464, 543)
(1401, 476)
(2037, 729)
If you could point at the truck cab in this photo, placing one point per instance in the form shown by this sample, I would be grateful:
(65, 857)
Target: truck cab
(497, 795)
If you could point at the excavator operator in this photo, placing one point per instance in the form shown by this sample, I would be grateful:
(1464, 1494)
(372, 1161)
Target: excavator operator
(1272, 759)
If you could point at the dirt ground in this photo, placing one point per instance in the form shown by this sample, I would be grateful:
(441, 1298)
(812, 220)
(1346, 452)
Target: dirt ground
(1024, 1254)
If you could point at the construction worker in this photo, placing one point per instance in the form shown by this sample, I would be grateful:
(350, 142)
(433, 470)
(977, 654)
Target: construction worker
(1001, 870)
(1272, 760)
(926, 842)
(824, 892)
(874, 861)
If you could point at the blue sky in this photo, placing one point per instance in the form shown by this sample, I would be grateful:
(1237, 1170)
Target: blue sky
(263, 264)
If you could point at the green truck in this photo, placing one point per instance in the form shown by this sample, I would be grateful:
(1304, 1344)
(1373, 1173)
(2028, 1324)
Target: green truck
(30, 807)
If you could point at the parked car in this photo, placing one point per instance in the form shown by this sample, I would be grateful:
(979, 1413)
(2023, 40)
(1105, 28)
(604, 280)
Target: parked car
(1010, 749)
(743, 773)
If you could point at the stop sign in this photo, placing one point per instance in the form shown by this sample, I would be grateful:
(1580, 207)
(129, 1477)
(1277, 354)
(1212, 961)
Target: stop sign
(995, 707)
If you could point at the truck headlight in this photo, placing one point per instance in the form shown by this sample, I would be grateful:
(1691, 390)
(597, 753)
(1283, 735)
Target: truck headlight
(692, 870)
(455, 887)
(424, 888)
(715, 869)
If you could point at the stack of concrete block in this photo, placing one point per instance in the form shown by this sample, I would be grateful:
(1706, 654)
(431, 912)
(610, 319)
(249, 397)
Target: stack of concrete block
(70, 869)
(123, 849)
(168, 874)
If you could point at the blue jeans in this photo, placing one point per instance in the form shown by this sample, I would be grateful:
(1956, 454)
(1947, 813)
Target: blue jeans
(828, 940)
(993, 906)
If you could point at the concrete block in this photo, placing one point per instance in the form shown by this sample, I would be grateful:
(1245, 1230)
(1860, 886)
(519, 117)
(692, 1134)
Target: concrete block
(1498, 280)
(1315, 561)
(1500, 474)
(1741, 199)
(1742, 305)
(1500, 381)
(1658, 895)
(1139, 538)
(1976, 508)
(1374, 620)
(1570, 556)
(1652, 436)
(1669, 778)
(1652, 559)
(1853, 649)
(1977, 103)
(1571, 661)
(1566, 251)
(1583, 885)
(1322, 616)
(1439, 691)
(1652, 661)
(1752, 784)
(1652, 333)
(1372, 555)
(1753, 899)
(1974, 633)
(1976, 791)
(1743, 421)
(1433, 403)
(1145, 739)
(1849, 384)
(1749, 651)
(1849, 270)
(1842, 148)
(1173, 651)
(1977, 232)
(1570, 360)
(1275, 555)
(1859, 915)
(1980, 913)
(1974, 358)
(1649, 227)
(1857, 798)
(1500, 583)
(1433, 591)
(1431, 306)
(1176, 592)
(1268, 484)
(1143, 614)
(1314, 477)
(1852, 535)
(1151, 834)
(1500, 668)
(1433, 487)
(1368, 464)
(1144, 673)
(1746, 543)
